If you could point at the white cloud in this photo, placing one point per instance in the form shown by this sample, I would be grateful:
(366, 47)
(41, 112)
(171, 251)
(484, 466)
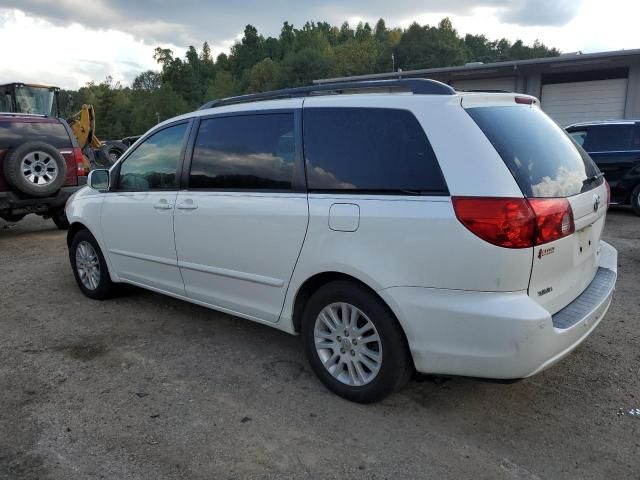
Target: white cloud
(68, 56)
(597, 26)
(52, 49)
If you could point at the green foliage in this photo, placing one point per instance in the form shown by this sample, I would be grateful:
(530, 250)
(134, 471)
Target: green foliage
(301, 68)
(356, 57)
(296, 57)
(262, 77)
(222, 86)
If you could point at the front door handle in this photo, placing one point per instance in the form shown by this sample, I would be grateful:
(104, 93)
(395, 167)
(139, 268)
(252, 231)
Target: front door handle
(163, 205)
(187, 205)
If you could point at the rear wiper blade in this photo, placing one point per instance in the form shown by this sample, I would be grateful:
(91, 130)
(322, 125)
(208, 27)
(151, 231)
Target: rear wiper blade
(592, 179)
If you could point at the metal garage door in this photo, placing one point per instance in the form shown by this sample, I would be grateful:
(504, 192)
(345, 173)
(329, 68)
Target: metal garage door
(569, 103)
(500, 83)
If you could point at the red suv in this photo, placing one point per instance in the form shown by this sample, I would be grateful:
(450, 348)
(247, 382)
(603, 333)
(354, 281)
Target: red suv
(41, 164)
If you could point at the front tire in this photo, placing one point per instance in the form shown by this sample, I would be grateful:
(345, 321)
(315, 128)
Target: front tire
(635, 200)
(89, 267)
(354, 343)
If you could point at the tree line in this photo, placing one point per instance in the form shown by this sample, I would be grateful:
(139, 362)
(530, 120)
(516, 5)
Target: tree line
(296, 57)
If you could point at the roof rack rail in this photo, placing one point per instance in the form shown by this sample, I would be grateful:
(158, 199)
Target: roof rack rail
(417, 86)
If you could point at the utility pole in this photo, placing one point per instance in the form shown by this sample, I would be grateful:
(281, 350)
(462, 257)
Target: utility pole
(393, 62)
(158, 116)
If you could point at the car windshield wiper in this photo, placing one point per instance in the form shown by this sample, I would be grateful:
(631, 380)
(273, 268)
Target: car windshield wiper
(592, 179)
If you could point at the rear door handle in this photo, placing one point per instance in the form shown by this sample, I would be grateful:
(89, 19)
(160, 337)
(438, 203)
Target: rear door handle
(163, 205)
(187, 205)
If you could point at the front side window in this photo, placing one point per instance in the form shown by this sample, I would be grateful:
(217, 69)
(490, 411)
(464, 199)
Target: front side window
(373, 150)
(154, 163)
(244, 152)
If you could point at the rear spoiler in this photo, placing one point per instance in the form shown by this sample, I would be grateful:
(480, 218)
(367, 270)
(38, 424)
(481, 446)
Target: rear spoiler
(486, 99)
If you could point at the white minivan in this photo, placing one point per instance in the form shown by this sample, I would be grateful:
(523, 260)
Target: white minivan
(397, 225)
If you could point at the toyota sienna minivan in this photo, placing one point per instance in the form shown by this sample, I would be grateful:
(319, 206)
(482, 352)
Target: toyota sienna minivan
(397, 226)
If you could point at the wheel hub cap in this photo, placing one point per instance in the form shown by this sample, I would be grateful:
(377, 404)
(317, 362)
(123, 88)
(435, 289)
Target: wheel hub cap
(39, 168)
(348, 344)
(88, 265)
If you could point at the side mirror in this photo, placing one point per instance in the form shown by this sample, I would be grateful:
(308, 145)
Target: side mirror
(98, 179)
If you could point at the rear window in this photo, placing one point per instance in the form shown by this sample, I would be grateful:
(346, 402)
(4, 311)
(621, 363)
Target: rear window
(372, 150)
(542, 157)
(54, 133)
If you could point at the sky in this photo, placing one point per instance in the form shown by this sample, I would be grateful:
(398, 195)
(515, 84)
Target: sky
(70, 42)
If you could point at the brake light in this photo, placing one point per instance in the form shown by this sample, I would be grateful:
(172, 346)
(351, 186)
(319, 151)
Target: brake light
(506, 222)
(82, 168)
(515, 222)
(608, 193)
(524, 100)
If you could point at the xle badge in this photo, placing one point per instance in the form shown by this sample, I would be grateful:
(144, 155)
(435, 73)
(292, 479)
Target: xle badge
(545, 251)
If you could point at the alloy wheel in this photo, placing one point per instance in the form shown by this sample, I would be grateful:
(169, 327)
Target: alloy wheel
(348, 344)
(88, 265)
(39, 168)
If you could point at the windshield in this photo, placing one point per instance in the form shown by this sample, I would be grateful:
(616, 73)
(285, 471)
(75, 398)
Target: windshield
(6, 104)
(543, 158)
(37, 100)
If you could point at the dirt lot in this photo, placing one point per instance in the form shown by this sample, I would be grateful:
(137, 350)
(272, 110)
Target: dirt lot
(144, 386)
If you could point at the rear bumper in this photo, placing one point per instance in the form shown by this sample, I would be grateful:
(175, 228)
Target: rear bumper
(498, 335)
(14, 203)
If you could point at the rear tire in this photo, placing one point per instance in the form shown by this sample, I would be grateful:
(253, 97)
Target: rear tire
(115, 150)
(89, 267)
(59, 217)
(358, 367)
(36, 169)
(635, 200)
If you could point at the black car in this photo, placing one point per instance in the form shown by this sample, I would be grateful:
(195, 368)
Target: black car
(615, 147)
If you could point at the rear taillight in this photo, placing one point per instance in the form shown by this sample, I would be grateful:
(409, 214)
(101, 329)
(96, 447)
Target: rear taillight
(515, 222)
(506, 222)
(82, 167)
(608, 193)
(554, 219)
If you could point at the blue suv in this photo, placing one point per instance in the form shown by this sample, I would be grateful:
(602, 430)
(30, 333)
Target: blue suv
(615, 147)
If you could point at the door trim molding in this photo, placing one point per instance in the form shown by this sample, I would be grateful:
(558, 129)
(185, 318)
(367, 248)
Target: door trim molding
(141, 256)
(223, 272)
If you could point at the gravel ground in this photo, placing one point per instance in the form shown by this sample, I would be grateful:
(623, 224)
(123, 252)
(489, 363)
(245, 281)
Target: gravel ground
(147, 387)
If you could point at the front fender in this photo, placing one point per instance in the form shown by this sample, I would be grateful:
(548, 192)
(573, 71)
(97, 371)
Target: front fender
(84, 211)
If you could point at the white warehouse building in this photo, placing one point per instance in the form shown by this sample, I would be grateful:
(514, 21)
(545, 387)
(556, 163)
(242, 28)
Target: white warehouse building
(572, 87)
